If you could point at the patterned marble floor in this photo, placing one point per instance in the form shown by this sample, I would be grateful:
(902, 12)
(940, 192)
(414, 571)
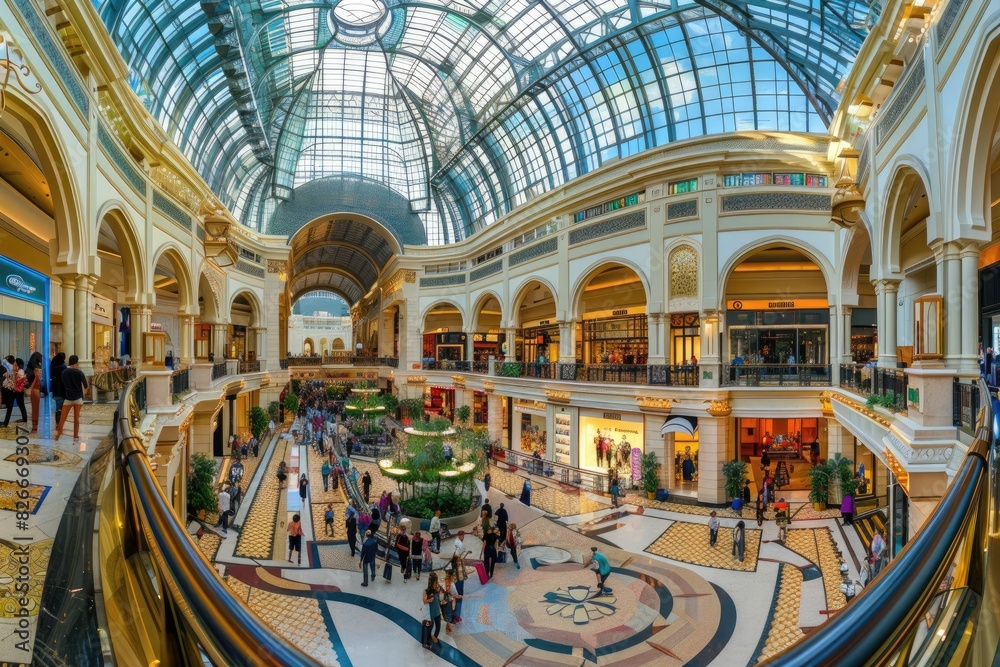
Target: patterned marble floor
(257, 533)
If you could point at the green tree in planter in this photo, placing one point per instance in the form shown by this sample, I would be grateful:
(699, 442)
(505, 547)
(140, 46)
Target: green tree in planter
(843, 468)
(258, 422)
(200, 484)
(292, 404)
(463, 414)
(391, 403)
(734, 472)
(273, 410)
(819, 482)
(648, 466)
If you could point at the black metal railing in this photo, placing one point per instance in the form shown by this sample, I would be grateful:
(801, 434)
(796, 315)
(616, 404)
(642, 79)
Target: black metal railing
(219, 370)
(868, 381)
(922, 609)
(249, 366)
(775, 375)
(964, 405)
(180, 383)
(283, 364)
(481, 367)
(578, 477)
(156, 553)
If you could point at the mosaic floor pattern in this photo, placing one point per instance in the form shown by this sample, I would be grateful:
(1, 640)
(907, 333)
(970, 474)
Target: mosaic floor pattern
(817, 546)
(257, 533)
(558, 501)
(783, 630)
(688, 543)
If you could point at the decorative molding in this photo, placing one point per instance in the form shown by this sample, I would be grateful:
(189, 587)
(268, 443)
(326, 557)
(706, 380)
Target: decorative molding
(277, 266)
(441, 281)
(486, 270)
(123, 164)
(682, 209)
(250, 269)
(13, 61)
(533, 251)
(775, 201)
(899, 103)
(948, 19)
(825, 406)
(557, 395)
(609, 227)
(897, 468)
(54, 52)
(458, 380)
(398, 278)
(416, 379)
(171, 210)
(488, 386)
(862, 408)
(719, 408)
(214, 279)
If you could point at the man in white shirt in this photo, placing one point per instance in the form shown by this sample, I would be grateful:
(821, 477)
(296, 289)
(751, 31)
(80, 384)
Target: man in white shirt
(460, 543)
(436, 532)
(225, 503)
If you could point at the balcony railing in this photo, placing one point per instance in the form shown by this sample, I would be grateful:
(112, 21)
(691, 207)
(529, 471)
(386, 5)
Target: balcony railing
(775, 375)
(964, 406)
(180, 383)
(868, 381)
(333, 359)
(250, 366)
(578, 477)
(218, 370)
(283, 364)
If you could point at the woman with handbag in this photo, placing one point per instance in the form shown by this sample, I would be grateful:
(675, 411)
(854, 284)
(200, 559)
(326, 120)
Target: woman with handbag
(450, 596)
(14, 384)
(432, 602)
(34, 382)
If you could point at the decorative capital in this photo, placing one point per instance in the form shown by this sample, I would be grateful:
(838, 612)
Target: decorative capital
(416, 379)
(488, 386)
(719, 408)
(648, 403)
(458, 380)
(398, 278)
(557, 395)
(824, 404)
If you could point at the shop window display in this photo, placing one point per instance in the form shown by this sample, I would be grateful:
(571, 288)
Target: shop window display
(612, 443)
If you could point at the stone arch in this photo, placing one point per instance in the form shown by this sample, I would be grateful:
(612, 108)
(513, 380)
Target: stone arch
(858, 245)
(210, 287)
(908, 178)
(173, 253)
(480, 303)
(58, 164)
(256, 307)
(809, 251)
(441, 302)
(521, 291)
(338, 345)
(976, 130)
(114, 215)
(593, 270)
(308, 347)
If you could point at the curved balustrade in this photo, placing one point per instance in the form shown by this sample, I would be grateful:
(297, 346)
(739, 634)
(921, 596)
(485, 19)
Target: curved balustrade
(188, 614)
(937, 576)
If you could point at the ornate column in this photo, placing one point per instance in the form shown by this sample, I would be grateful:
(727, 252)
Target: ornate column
(833, 345)
(186, 350)
(260, 343)
(969, 258)
(567, 341)
(68, 314)
(510, 334)
(654, 333)
(83, 340)
(714, 433)
(845, 352)
(469, 344)
(952, 291)
(886, 291)
(220, 337)
(142, 316)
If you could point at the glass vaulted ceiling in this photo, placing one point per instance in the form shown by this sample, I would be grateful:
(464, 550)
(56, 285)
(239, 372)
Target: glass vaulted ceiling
(469, 108)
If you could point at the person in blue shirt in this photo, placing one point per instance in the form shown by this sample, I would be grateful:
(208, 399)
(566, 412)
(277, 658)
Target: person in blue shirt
(599, 563)
(367, 562)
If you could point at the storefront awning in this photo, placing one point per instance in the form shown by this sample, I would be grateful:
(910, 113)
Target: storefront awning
(686, 425)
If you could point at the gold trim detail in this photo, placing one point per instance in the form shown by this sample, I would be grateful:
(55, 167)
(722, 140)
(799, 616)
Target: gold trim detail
(487, 386)
(650, 403)
(416, 379)
(556, 395)
(458, 380)
(719, 408)
(897, 468)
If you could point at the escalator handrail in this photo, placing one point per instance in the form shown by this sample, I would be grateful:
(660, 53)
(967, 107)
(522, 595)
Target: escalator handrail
(876, 622)
(227, 630)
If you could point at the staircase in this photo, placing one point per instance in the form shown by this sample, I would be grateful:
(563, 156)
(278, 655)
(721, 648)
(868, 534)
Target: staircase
(868, 524)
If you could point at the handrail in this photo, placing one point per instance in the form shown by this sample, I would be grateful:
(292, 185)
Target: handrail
(226, 630)
(882, 619)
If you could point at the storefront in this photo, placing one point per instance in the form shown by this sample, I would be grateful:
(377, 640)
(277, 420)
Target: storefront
(612, 440)
(778, 332)
(791, 439)
(530, 432)
(480, 408)
(24, 310)
(871, 475)
(539, 343)
(864, 335)
(685, 338)
(486, 345)
(102, 325)
(449, 346)
(622, 338)
(440, 401)
(237, 342)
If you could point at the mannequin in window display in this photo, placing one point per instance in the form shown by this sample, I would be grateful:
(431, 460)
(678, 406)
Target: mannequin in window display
(624, 453)
(597, 446)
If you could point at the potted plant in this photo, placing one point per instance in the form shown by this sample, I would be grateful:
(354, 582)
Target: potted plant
(413, 408)
(819, 484)
(259, 421)
(735, 472)
(200, 486)
(842, 477)
(273, 411)
(390, 402)
(648, 467)
(291, 406)
(463, 414)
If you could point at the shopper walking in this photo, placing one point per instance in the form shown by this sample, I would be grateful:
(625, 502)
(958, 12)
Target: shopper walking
(303, 489)
(450, 597)
(436, 531)
(457, 567)
(526, 493)
(433, 602)
(351, 522)
(713, 529)
(416, 554)
(34, 381)
(294, 531)
(502, 518)
(402, 546)
(513, 542)
(14, 384)
(74, 384)
(366, 486)
(328, 519)
(488, 554)
(761, 508)
(325, 471)
(56, 369)
(225, 505)
(367, 562)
